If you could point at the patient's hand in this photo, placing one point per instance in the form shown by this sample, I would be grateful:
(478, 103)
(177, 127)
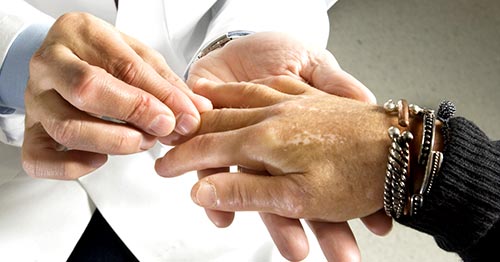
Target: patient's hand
(268, 54)
(320, 163)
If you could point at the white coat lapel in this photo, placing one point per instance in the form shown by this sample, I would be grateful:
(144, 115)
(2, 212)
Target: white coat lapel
(171, 27)
(187, 23)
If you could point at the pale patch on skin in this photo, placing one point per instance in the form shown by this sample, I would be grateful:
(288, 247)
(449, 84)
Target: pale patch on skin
(307, 138)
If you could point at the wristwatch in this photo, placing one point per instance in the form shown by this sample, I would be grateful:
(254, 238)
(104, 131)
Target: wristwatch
(215, 44)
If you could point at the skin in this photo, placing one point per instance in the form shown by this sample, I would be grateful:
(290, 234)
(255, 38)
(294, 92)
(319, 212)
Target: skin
(84, 70)
(265, 56)
(303, 154)
(304, 144)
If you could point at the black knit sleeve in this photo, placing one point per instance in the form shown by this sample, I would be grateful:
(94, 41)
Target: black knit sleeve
(462, 211)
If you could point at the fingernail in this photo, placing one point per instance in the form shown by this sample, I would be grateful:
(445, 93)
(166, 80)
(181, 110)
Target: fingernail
(162, 125)
(171, 139)
(206, 195)
(202, 81)
(186, 124)
(147, 143)
(98, 161)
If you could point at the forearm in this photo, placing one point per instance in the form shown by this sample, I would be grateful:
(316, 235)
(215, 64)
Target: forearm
(464, 202)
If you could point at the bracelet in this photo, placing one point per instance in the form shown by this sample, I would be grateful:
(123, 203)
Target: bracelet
(428, 133)
(396, 185)
(446, 110)
(215, 44)
(398, 164)
(433, 166)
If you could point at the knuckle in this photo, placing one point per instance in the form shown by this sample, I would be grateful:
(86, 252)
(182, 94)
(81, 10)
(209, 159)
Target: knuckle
(65, 132)
(268, 134)
(239, 196)
(126, 69)
(251, 89)
(42, 57)
(83, 85)
(213, 119)
(38, 60)
(70, 19)
(126, 142)
(169, 97)
(141, 105)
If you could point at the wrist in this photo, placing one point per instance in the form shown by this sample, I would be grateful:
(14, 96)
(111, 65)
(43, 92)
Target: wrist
(215, 44)
(414, 158)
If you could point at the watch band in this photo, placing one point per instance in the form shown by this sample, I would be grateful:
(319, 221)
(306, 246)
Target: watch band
(215, 44)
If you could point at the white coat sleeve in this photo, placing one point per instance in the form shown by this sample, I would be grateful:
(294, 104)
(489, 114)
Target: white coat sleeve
(15, 16)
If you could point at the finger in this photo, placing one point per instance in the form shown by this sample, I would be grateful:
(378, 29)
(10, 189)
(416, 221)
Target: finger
(101, 45)
(378, 223)
(42, 157)
(220, 120)
(209, 151)
(288, 85)
(336, 240)
(92, 90)
(246, 192)
(223, 74)
(288, 236)
(239, 95)
(80, 131)
(158, 63)
(219, 218)
(120, 60)
(323, 72)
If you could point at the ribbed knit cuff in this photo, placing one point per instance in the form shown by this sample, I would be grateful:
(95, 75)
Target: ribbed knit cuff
(464, 203)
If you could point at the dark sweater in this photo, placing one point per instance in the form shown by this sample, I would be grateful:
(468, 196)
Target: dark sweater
(462, 210)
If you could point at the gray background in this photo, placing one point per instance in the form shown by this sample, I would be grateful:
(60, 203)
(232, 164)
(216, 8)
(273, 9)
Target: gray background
(424, 51)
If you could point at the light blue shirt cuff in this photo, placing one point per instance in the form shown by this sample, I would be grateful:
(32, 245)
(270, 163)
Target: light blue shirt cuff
(14, 72)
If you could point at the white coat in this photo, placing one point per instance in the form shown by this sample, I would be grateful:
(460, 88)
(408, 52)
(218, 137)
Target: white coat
(42, 220)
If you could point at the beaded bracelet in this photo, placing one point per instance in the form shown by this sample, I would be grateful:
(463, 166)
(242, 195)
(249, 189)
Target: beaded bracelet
(396, 186)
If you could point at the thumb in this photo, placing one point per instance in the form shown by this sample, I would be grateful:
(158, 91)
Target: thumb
(323, 72)
(250, 192)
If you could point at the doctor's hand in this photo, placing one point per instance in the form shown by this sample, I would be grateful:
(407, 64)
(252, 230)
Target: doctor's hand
(323, 159)
(86, 71)
(265, 54)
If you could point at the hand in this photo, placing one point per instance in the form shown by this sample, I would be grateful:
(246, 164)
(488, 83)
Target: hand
(325, 156)
(268, 54)
(86, 70)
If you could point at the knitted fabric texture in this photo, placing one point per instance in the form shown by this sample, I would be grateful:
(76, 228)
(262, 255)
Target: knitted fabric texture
(463, 207)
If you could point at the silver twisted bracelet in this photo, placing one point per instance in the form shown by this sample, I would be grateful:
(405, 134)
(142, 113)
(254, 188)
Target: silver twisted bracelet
(396, 180)
(396, 195)
(398, 172)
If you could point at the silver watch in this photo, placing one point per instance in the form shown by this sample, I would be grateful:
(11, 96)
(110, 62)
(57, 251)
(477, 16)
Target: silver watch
(215, 44)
